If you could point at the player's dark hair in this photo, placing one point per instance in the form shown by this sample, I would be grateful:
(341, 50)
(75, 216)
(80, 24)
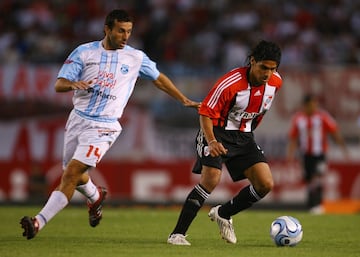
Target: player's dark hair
(266, 50)
(118, 15)
(308, 98)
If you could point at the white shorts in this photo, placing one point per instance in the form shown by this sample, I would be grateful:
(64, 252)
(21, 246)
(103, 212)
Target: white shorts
(87, 140)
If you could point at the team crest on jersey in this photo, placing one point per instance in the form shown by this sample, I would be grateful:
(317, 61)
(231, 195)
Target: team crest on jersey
(124, 68)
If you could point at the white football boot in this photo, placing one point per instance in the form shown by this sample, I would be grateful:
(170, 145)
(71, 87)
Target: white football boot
(226, 226)
(177, 239)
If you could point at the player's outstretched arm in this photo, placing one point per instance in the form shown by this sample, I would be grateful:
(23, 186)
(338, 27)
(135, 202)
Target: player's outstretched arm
(339, 140)
(65, 85)
(166, 85)
(291, 149)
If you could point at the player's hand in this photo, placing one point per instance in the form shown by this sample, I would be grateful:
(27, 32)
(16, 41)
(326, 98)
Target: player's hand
(65, 85)
(216, 149)
(190, 103)
(81, 85)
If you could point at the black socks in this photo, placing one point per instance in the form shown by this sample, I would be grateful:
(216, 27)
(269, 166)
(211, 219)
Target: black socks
(192, 205)
(243, 200)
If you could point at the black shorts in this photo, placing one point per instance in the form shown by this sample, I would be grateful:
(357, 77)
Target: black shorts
(243, 152)
(313, 164)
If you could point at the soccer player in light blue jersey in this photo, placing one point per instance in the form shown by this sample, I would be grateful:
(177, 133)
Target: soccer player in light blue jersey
(102, 75)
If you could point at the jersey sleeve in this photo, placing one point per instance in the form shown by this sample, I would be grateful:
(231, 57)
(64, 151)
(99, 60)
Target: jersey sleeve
(72, 67)
(148, 69)
(293, 131)
(329, 122)
(216, 101)
(276, 81)
(220, 96)
(209, 112)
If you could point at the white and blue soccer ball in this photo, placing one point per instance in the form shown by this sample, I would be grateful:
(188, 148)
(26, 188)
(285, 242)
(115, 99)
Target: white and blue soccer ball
(286, 231)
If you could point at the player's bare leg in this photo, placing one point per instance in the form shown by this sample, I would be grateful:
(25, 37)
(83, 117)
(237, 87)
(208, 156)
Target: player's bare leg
(72, 177)
(261, 178)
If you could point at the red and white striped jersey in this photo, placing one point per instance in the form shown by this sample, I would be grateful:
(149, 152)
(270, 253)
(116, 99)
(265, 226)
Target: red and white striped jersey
(235, 105)
(312, 131)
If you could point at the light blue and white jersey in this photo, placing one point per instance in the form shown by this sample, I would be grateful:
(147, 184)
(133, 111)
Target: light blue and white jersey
(113, 73)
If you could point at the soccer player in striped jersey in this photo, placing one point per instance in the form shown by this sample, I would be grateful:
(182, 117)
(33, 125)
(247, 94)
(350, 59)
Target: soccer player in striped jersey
(309, 132)
(102, 74)
(229, 114)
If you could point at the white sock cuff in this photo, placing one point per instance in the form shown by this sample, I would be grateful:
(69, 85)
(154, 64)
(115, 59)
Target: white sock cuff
(89, 190)
(202, 192)
(83, 186)
(254, 193)
(56, 202)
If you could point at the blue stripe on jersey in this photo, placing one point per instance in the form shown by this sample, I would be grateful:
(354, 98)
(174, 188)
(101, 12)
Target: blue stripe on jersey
(103, 100)
(90, 117)
(92, 102)
(96, 88)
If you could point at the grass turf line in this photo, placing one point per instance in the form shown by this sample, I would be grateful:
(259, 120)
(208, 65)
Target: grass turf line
(143, 232)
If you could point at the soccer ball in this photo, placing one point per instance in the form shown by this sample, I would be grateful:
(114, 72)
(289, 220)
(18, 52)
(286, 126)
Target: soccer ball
(286, 231)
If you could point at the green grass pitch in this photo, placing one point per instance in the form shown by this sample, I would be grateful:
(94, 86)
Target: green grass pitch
(143, 231)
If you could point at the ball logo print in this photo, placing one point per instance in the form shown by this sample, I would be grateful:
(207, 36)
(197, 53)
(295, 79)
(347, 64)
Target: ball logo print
(286, 231)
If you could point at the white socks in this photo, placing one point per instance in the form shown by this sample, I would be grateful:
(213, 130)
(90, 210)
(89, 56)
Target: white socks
(89, 190)
(56, 202)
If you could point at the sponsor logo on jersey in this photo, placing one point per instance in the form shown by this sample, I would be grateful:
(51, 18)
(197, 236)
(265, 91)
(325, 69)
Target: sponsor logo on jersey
(91, 63)
(105, 83)
(237, 115)
(106, 79)
(101, 94)
(257, 93)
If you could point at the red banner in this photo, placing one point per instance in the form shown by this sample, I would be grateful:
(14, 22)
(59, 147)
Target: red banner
(133, 171)
(157, 182)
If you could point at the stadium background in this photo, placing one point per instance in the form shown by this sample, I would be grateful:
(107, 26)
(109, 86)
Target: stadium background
(193, 41)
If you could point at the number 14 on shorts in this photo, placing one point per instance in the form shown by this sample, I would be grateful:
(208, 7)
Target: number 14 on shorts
(94, 151)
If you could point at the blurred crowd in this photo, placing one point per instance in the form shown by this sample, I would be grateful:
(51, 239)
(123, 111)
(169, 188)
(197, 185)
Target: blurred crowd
(186, 35)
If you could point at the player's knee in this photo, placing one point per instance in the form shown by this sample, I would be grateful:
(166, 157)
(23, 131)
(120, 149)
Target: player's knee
(72, 174)
(264, 187)
(69, 177)
(209, 184)
(269, 185)
(210, 178)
